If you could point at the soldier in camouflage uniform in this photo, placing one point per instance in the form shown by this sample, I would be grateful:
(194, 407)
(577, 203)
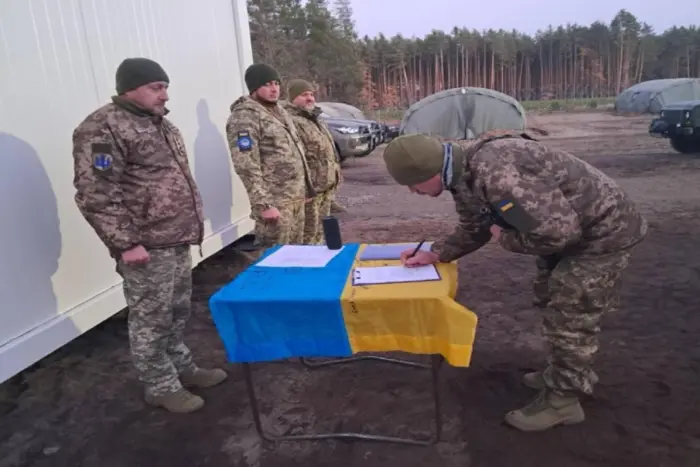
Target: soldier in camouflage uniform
(269, 158)
(573, 218)
(135, 189)
(319, 146)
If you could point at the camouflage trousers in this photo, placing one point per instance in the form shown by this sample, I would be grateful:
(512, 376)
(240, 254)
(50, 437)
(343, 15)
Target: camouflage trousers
(575, 293)
(287, 230)
(158, 295)
(314, 212)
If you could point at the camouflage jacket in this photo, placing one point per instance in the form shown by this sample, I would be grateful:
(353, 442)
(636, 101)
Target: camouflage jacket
(547, 201)
(133, 181)
(318, 142)
(267, 155)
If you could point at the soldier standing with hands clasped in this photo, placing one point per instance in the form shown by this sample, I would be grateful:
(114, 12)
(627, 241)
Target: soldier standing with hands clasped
(320, 156)
(135, 188)
(269, 158)
(538, 201)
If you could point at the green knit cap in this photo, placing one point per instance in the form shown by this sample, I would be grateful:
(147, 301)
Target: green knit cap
(136, 72)
(259, 74)
(413, 159)
(298, 86)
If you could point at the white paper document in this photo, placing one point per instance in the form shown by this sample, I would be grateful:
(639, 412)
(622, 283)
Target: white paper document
(389, 251)
(394, 274)
(300, 256)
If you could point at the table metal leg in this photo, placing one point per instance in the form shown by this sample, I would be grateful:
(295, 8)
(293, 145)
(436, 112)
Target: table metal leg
(337, 361)
(436, 363)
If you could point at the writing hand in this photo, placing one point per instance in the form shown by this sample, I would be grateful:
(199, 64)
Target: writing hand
(422, 258)
(495, 232)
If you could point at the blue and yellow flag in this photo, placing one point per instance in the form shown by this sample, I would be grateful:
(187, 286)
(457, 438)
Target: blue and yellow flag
(272, 313)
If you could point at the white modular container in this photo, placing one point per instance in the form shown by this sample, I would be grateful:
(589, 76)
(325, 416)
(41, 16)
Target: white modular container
(57, 64)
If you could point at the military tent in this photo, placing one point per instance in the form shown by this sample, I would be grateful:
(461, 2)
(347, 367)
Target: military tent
(651, 96)
(463, 113)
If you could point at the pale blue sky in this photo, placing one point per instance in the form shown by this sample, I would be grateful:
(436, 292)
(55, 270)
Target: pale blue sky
(418, 17)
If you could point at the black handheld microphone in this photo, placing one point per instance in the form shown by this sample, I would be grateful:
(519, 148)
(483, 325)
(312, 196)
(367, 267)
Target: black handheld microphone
(331, 232)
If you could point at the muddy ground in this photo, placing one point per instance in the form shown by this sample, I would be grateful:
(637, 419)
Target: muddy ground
(82, 407)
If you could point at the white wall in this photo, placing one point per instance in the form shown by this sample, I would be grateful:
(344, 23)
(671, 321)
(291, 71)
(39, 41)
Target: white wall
(57, 64)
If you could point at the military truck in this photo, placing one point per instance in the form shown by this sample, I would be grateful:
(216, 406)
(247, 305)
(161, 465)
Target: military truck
(680, 123)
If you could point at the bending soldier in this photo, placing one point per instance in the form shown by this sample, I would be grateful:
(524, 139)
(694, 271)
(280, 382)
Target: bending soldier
(575, 220)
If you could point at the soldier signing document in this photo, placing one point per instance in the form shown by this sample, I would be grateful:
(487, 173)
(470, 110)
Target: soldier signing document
(577, 222)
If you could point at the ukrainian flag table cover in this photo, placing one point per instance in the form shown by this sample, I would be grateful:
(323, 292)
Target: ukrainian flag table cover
(272, 313)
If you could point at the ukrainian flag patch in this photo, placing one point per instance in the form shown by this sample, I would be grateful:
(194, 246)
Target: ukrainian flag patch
(505, 205)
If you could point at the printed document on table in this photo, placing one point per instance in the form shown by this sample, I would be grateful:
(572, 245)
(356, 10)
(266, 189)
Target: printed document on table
(300, 256)
(389, 251)
(394, 274)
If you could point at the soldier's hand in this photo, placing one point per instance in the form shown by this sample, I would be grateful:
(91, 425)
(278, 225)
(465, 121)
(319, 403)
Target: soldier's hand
(421, 258)
(137, 255)
(495, 232)
(307, 200)
(271, 214)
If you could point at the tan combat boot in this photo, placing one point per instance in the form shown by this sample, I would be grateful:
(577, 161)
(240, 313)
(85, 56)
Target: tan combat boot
(202, 378)
(180, 401)
(548, 410)
(535, 380)
(336, 207)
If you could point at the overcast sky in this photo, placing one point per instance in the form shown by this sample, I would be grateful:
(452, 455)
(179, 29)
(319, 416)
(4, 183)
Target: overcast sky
(419, 17)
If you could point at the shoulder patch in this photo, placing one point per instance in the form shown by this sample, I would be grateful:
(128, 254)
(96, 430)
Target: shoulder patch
(505, 205)
(102, 158)
(244, 141)
(513, 213)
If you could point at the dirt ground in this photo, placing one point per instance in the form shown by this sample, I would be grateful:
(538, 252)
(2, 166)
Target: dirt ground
(82, 406)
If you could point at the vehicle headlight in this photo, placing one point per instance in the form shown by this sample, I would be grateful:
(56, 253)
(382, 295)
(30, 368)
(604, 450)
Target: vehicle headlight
(687, 115)
(347, 130)
(662, 114)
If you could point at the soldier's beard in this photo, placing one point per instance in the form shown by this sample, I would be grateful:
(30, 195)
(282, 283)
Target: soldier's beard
(159, 110)
(265, 101)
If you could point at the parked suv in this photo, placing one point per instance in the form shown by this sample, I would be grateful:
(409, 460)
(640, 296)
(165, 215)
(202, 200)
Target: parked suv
(680, 123)
(339, 110)
(375, 130)
(352, 138)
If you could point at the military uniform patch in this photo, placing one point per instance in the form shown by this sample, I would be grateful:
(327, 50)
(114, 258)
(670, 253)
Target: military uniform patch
(505, 205)
(515, 215)
(102, 161)
(102, 158)
(244, 141)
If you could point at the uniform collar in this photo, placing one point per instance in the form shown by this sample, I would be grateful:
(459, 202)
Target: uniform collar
(133, 108)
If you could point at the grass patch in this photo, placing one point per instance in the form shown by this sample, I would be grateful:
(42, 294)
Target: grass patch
(567, 104)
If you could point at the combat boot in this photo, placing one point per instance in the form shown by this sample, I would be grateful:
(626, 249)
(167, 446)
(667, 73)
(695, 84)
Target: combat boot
(548, 410)
(180, 401)
(202, 378)
(337, 208)
(535, 380)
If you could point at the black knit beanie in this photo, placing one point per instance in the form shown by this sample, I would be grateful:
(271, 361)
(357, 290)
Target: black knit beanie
(135, 72)
(256, 76)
